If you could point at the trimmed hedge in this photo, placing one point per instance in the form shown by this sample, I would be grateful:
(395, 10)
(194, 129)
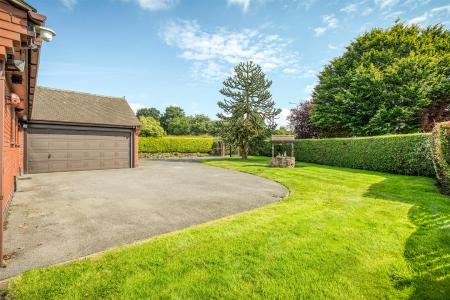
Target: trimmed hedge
(180, 144)
(441, 155)
(408, 154)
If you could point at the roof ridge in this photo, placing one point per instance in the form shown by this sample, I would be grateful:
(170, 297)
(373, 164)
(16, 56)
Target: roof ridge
(81, 93)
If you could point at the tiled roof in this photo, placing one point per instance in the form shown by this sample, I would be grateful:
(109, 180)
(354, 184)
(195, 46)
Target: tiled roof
(74, 107)
(22, 4)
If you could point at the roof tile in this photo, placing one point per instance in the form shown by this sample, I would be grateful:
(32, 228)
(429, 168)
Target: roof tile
(75, 107)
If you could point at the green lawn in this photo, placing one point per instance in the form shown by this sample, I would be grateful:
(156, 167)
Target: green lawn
(344, 234)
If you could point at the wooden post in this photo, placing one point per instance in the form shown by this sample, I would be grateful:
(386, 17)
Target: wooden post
(273, 150)
(222, 148)
(292, 149)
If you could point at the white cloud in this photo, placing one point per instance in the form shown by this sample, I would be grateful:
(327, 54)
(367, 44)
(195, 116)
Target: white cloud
(213, 54)
(433, 13)
(300, 71)
(419, 19)
(308, 89)
(136, 106)
(291, 71)
(282, 117)
(69, 4)
(414, 4)
(319, 30)
(367, 11)
(307, 4)
(332, 47)
(330, 22)
(441, 9)
(155, 5)
(386, 4)
(351, 8)
(394, 15)
(244, 4)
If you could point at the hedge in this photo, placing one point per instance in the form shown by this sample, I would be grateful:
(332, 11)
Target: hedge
(441, 155)
(408, 154)
(172, 144)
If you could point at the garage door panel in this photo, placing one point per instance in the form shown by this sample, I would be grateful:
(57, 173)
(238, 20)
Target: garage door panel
(55, 145)
(83, 155)
(38, 166)
(114, 155)
(53, 150)
(37, 156)
(80, 165)
(57, 155)
(121, 155)
(57, 166)
(110, 164)
(39, 144)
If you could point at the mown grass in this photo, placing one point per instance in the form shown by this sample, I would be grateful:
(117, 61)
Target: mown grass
(341, 233)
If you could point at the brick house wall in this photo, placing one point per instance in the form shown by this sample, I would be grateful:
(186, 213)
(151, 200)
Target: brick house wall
(17, 33)
(13, 143)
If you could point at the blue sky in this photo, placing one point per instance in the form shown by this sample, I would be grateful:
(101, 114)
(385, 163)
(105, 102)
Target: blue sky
(177, 52)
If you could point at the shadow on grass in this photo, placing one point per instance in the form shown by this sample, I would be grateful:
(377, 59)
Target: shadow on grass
(427, 250)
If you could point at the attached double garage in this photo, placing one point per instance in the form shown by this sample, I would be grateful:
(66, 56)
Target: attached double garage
(72, 131)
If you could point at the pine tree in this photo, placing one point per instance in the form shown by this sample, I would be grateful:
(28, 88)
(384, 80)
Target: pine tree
(248, 107)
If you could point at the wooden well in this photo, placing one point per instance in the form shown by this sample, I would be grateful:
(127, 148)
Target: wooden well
(282, 160)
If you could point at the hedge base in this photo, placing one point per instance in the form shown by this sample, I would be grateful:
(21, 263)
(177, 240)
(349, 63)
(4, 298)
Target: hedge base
(172, 155)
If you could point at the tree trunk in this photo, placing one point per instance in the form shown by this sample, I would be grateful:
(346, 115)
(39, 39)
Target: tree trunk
(244, 151)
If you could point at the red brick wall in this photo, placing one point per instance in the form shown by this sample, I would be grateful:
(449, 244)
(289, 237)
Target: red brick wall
(12, 148)
(136, 148)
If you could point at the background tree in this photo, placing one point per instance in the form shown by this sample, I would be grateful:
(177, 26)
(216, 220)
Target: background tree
(179, 126)
(391, 80)
(282, 131)
(248, 108)
(299, 120)
(201, 125)
(149, 112)
(150, 127)
(215, 128)
(171, 113)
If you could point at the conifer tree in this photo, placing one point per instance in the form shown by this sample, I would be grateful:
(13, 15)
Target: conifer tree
(248, 107)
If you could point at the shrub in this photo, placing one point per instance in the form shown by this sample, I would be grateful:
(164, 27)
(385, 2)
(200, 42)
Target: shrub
(440, 151)
(150, 127)
(299, 119)
(408, 154)
(261, 147)
(170, 144)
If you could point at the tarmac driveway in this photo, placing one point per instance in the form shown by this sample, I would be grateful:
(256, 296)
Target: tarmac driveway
(57, 217)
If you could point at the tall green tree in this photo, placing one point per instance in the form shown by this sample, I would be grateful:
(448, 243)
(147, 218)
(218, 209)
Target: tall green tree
(393, 80)
(171, 113)
(248, 108)
(149, 112)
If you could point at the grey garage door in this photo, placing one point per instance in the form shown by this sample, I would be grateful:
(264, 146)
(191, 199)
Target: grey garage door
(55, 150)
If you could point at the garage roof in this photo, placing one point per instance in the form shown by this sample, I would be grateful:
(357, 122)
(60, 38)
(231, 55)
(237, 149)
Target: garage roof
(57, 105)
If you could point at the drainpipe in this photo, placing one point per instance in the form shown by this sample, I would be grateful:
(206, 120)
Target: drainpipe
(2, 120)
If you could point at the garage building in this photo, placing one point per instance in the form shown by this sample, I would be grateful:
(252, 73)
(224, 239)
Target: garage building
(73, 131)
